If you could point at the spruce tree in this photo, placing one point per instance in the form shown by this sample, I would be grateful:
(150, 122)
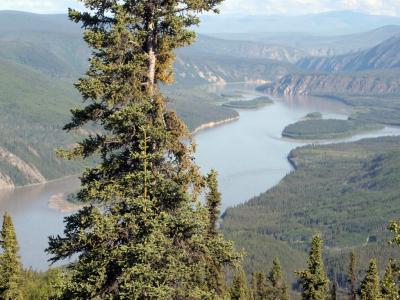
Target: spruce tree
(239, 289)
(334, 290)
(389, 287)
(144, 233)
(314, 281)
(370, 289)
(352, 277)
(215, 276)
(259, 287)
(278, 288)
(10, 265)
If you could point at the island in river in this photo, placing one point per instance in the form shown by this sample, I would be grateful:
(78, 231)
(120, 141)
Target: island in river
(325, 129)
(256, 103)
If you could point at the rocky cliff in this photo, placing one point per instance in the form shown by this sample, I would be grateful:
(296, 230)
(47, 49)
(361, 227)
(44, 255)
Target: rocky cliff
(385, 55)
(332, 84)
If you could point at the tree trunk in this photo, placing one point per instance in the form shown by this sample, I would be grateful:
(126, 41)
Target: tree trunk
(150, 47)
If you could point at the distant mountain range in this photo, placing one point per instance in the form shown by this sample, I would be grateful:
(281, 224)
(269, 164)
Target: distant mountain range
(385, 55)
(329, 23)
(316, 45)
(374, 71)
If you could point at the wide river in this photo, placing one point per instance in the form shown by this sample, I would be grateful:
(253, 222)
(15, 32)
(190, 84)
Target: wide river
(249, 154)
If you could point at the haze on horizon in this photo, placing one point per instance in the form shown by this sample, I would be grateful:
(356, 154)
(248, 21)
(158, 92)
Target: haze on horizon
(238, 7)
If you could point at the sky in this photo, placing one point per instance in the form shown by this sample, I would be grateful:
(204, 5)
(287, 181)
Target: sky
(238, 7)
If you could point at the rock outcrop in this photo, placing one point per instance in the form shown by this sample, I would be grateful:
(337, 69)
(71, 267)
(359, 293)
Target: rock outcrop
(333, 84)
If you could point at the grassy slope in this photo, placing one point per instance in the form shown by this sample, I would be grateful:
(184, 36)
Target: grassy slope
(348, 192)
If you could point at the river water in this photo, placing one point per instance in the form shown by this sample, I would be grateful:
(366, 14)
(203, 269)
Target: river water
(249, 155)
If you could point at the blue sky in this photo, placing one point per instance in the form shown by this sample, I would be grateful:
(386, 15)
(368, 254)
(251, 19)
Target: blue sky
(291, 7)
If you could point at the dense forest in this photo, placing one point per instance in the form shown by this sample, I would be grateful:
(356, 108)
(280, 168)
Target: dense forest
(347, 192)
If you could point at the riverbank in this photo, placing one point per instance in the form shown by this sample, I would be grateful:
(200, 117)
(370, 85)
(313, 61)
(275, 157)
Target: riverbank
(214, 124)
(40, 183)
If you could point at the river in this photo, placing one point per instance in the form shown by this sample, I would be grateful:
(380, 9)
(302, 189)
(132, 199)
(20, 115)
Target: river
(249, 154)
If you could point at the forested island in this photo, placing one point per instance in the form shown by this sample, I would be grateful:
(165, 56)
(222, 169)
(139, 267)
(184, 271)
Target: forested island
(255, 103)
(325, 129)
(313, 116)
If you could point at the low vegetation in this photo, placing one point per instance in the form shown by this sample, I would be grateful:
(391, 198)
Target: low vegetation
(255, 103)
(313, 116)
(324, 129)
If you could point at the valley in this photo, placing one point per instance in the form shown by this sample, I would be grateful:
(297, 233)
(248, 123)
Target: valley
(301, 123)
(257, 134)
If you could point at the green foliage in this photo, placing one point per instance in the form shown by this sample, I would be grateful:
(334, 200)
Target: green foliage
(313, 116)
(389, 287)
(259, 288)
(314, 281)
(149, 236)
(46, 285)
(33, 107)
(352, 277)
(370, 289)
(327, 129)
(215, 277)
(10, 265)
(334, 291)
(278, 289)
(239, 289)
(255, 103)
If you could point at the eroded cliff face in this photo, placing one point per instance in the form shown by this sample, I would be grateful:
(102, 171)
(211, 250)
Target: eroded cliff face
(30, 172)
(324, 84)
(6, 182)
(385, 55)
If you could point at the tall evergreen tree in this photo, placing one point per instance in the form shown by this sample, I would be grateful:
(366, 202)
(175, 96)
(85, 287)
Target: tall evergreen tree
(352, 277)
(370, 289)
(389, 287)
(10, 265)
(278, 288)
(215, 276)
(334, 290)
(259, 287)
(314, 281)
(146, 233)
(239, 289)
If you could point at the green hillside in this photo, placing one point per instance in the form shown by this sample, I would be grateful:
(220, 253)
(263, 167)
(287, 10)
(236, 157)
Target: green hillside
(347, 192)
(33, 109)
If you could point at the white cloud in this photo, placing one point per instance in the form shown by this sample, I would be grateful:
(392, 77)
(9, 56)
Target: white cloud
(40, 6)
(382, 7)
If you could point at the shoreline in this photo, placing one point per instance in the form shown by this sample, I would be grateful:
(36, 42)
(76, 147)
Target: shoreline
(213, 124)
(40, 183)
